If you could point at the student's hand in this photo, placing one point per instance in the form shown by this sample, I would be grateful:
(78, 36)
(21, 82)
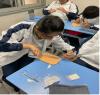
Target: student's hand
(36, 51)
(62, 9)
(33, 48)
(85, 23)
(70, 55)
(78, 21)
(52, 10)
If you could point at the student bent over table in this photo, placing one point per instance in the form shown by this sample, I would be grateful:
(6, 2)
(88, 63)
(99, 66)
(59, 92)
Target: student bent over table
(20, 39)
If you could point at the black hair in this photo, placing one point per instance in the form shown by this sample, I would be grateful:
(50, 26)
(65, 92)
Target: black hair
(50, 24)
(91, 12)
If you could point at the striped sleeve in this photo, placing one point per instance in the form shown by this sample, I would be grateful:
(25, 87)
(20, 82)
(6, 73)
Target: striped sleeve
(10, 31)
(5, 46)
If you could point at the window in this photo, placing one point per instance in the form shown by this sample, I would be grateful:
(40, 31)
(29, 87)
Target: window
(13, 6)
(9, 3)
(5, 4)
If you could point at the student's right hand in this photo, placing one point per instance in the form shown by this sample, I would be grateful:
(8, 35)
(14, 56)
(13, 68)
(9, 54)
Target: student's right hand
(85, 24)
(36, 51)
(52, 10)
(33, 48)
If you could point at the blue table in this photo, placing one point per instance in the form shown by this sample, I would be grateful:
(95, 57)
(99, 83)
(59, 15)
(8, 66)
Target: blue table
(35, 18)
(68, 26)
(40, 70)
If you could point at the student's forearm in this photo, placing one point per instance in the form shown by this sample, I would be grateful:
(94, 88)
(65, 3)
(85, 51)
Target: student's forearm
(28, 46)
(7, 47)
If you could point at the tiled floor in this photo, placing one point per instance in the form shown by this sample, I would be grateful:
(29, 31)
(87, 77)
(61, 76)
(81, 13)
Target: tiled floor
(3, 90)
(6, 89)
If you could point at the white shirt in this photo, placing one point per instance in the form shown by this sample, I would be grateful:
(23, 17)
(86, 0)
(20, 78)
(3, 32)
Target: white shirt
(28, 37)
(68, 6)
(89, 52)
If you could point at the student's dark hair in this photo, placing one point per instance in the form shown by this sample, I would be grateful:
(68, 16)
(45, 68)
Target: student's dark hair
(50, 24)
(91, 12)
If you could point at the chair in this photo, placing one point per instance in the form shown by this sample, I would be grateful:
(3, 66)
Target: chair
(1, 74)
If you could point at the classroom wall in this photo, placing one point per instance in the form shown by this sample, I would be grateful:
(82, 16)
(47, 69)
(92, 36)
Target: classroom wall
(84, 3)
(8, 20)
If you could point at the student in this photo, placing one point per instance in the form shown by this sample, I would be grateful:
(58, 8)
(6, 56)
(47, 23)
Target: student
(61, 8)
(89, 18)
(19, 39)
(89, 52)
(88, 55)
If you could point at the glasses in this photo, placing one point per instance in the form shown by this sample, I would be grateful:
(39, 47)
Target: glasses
(49, 35)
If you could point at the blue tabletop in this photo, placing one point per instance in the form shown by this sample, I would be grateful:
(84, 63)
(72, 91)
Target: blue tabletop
(68, 26)
(39, 70)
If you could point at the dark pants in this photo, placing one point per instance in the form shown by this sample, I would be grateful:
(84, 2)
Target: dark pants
(74, 42)
(14, 66)
(83, 63)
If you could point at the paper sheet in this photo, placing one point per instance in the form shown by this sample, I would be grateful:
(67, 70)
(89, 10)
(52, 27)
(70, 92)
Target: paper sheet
(73, 77)
(75, 24)
(50, 58)
(49, 80)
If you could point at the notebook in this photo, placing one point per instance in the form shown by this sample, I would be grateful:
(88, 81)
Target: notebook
(50, 58)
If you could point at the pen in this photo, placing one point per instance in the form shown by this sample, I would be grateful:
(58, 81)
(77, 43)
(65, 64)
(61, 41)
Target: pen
(30, 77)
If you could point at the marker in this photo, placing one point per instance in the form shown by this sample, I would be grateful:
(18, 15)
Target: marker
(30, 77)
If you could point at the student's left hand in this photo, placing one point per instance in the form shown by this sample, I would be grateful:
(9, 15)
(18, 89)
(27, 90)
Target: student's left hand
(70, 55)
(35, 50)
(62, 9)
